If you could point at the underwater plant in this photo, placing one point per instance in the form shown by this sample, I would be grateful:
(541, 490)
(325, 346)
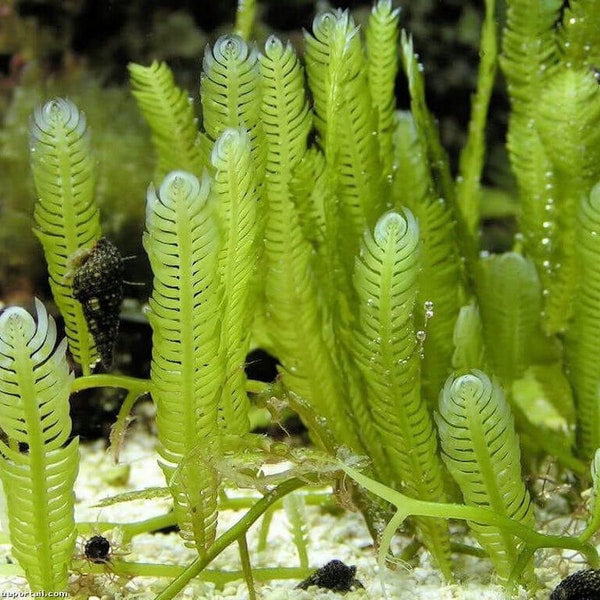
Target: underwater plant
(305, 215)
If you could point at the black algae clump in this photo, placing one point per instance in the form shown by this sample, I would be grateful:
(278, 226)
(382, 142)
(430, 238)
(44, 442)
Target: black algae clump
(583, 585)
(335, 575)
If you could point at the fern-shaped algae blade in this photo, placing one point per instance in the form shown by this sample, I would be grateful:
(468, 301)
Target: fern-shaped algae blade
(481, 449)
(182, 242)
(581, 344)
(66, 215)
(386, 350)
(230, 94)
(171, 118)
(296, 323)
(34, 411)
(236, 195)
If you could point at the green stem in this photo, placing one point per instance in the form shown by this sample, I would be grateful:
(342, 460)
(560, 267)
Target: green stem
(407, 506)
(257, 387)
(246, 566)
(231, 535)
(120, 381)
(130, 530)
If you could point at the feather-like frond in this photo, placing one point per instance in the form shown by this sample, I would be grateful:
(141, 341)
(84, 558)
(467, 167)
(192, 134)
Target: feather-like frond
(437, 158)
(583, 353)
(481, 449)
(571, 135)
(412, 177)
(529, 50)
(382, 67)
(578, 33)
(469, 352)
(34, 410)
(468, 181)
(294, 506)
(345, 120)
(571, 139)
(385, 346)
(236, 198)
(510, 300)
(66, 216)
(194, 486)
(297, 323)
(182, 242)
(440, 275)
(230, 94)
(312, 194)
(529, 57)
(170, 114)
(284, 112)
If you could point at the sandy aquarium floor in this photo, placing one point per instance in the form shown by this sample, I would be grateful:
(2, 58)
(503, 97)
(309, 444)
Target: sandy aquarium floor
(331, 537)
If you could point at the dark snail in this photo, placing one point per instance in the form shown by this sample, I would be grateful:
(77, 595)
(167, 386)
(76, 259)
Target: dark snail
(97, 550)
(582, 585)
(98, 286)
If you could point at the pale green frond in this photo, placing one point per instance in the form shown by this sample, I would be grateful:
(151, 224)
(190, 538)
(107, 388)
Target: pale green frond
(237, 201)
(313, 196)
(578, 34)
(345, 120)
(284, 112)
(529, 50)
(385, 348)
(537, 191)
(182, 243)
(382, 68)
(296, 322)
(440, 276)
(34, 410)
(440, 291)
(424, 122)
(297, 325)
(170, 115)
(481, 450)
(294, 506)
(326, 54)
(583, 353)
(230, 93)
(571, 134)
(571, 140)
(529, 58)
(472, 155)
(510, 300)
(412, 177)
(66, 216)
(469, 351)
(556, 390)
(295, 174)
(195, 486)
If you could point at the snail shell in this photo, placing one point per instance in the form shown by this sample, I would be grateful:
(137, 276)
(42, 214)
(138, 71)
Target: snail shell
(98, 286)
